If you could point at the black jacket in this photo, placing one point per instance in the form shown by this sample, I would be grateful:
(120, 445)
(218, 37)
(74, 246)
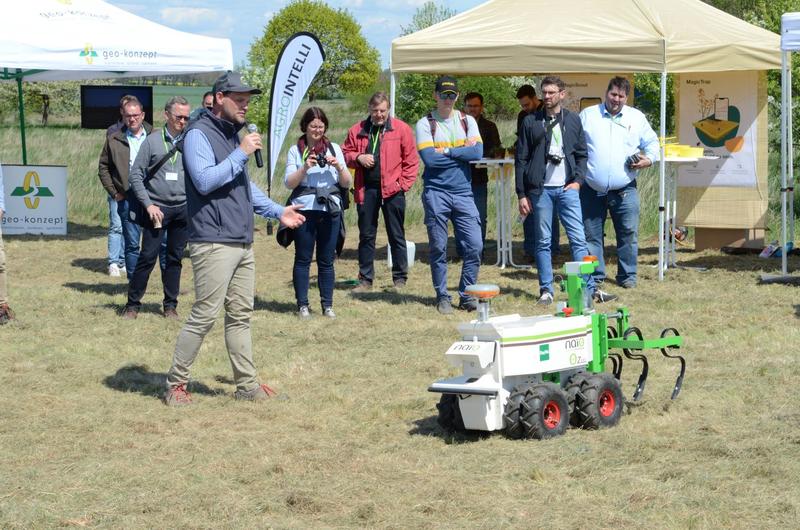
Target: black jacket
(533, 146)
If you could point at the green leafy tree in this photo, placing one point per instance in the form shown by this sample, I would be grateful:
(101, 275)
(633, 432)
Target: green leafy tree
(414, 95)
(351, 64)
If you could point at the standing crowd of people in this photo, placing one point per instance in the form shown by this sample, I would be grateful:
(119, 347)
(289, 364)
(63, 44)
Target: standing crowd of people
(186, 185)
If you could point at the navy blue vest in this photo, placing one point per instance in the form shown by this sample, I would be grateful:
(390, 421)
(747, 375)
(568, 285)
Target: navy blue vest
(226, 214)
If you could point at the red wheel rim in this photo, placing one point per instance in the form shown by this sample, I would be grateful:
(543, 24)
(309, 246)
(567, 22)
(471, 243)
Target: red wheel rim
(552, 415)
(608, 403)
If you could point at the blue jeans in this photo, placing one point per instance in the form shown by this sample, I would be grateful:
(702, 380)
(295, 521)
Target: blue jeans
(116, 251)
(131, 234)
(441, 207)
(321, 229)
(480, 194)
(624, 207)
(529, 235)
(568, 205)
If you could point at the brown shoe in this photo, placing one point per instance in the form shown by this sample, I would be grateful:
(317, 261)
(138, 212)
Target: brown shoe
(130, 313)
(364, 286)
(171, 313)
(259, 393)
(177, 396)
(6, 314)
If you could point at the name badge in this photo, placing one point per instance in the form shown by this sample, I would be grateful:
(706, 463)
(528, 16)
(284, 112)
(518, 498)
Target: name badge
(171, 175)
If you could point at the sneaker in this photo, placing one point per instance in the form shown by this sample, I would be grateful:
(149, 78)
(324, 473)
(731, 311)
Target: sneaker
(113, 271)
(364, 286)
(259, 393)
(444, 307)
(601, 297)
(400, 284)
(6, 314)
(171, 313)
(130, 313)
(468, 304)
(545, 299)
(303, 313)
(628, 284)
(328, 312)
(177, 396)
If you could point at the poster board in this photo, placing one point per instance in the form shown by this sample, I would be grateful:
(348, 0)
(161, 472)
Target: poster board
(585, 90)
(730, 192)
(36, 200)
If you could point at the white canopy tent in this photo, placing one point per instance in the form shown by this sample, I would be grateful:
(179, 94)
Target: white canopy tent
(509, 37)
(57, 40)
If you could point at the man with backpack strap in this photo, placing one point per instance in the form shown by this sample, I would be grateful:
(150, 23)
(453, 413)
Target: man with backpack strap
(448, 141)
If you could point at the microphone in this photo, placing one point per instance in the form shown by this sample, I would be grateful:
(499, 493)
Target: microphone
(252, 128)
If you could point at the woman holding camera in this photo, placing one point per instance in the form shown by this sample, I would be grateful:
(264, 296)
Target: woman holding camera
(315, 169)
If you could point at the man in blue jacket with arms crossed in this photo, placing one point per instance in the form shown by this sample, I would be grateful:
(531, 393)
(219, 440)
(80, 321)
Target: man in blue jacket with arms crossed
(448, 141)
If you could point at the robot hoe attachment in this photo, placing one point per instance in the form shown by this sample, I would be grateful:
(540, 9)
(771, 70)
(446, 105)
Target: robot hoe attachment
(533, 377)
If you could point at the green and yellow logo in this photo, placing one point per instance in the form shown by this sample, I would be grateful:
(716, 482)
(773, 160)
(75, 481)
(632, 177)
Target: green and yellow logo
(32, 190)
(88, 53)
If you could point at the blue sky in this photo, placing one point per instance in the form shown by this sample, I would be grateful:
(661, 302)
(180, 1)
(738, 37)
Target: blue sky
(243, 21)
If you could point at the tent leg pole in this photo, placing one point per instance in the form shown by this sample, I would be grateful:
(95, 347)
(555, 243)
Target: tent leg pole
(392, 88)
(786, 108)
(790, 158)
(21, 118)
(662, 176)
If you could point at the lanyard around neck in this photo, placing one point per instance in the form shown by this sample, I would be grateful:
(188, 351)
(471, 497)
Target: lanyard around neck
(168, 146)
(375, 138)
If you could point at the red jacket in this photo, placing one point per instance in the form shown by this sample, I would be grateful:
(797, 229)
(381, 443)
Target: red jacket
(398, 156)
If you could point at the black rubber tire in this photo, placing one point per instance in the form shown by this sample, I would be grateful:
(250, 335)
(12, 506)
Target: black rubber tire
(573, 390)
(450, 413)
(539, 411)
(600, 403)
(516, 411)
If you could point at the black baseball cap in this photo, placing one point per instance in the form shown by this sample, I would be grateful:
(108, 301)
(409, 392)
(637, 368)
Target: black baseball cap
(446, 83)
(232, 82)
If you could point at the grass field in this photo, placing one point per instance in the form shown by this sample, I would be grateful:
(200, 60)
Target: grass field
(86, 441)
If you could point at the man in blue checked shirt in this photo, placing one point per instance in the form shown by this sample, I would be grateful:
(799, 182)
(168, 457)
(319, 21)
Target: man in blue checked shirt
(620, 143)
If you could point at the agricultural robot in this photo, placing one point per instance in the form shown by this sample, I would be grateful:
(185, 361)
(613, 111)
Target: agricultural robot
(534, 376)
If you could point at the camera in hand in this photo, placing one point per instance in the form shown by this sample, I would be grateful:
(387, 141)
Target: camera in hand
(631, 160)
(554, 159)
(321, 162)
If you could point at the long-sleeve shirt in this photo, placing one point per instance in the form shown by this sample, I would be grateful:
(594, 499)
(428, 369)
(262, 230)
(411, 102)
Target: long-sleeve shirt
(449, 172)
(207, 175)
(611, 140)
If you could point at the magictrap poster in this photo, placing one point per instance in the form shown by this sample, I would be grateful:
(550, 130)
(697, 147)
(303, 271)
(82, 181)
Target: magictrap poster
(718, 112)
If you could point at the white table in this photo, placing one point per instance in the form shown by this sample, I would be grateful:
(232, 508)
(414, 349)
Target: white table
(671, 204)
(502, 169)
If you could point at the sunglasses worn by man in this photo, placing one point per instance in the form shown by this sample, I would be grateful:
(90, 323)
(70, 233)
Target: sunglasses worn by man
(448, 95)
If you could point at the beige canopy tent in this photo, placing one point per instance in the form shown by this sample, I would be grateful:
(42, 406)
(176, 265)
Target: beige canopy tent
(507, 37)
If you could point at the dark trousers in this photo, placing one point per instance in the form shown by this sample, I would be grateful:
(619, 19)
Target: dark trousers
(174, 224)
(321, 230)
(394, 216)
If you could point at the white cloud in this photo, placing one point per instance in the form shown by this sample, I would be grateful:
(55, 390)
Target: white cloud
(189, 16)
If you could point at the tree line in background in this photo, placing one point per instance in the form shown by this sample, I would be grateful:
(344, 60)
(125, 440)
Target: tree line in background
(352, 68)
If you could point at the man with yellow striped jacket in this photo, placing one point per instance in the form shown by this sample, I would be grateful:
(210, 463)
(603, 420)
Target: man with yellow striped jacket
(448, 141)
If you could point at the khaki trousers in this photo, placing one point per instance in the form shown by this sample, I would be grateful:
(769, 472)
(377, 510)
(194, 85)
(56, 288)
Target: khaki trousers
(3, 284)
(224, 274)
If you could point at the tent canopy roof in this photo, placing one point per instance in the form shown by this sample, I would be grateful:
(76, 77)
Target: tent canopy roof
(509, 37)
(86, 39)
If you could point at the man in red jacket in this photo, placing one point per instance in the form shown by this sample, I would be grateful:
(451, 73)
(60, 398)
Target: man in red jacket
(383, 152)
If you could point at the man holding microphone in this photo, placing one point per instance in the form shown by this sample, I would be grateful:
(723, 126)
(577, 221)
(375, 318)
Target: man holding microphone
(220, 201)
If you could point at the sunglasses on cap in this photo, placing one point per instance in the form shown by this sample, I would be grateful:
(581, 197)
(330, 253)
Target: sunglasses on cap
(448, 95)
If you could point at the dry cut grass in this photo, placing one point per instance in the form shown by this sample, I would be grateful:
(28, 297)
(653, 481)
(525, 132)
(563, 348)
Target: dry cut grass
(86, 441)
